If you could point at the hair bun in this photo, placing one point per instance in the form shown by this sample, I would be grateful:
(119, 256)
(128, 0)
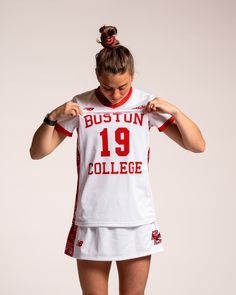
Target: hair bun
(108, 38)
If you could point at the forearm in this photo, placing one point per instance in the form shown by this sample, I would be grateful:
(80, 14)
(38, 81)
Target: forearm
(42, 141)
(46, 138)
(191, 134)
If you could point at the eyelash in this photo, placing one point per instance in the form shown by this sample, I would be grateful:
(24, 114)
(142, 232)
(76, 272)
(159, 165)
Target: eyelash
(111, 89)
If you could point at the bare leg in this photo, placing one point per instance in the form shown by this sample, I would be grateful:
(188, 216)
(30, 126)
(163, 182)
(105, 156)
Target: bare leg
(93, 276)
(133, 275)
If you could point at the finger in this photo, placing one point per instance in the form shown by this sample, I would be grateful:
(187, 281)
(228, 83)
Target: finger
(75, 110)
(81, 112)
(73, 113)
(149, 107)
(152, 107)
(78, 109)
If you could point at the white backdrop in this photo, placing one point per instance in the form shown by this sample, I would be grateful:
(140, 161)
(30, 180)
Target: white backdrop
(184, 52)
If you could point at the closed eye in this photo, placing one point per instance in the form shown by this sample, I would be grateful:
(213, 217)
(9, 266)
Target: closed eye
(120, 88)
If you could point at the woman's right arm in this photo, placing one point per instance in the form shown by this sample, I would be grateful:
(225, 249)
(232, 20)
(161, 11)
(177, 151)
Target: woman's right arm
(47, 138)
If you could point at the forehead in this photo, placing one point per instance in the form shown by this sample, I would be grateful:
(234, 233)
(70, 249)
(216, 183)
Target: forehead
(115, 80)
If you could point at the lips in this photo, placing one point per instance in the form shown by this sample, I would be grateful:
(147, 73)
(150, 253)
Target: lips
(115, 99)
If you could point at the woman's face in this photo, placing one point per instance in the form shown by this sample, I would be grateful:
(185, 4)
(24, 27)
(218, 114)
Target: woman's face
(115, 86)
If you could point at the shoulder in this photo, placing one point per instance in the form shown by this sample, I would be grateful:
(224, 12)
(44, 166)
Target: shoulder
(142, 96)
(85, 97)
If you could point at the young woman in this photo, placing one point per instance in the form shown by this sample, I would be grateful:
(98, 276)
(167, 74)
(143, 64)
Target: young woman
(114, 216)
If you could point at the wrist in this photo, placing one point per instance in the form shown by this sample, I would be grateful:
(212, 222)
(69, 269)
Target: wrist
(48, 120)
(176, 112)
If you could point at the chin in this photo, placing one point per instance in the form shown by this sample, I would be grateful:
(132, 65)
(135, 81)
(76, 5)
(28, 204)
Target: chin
(114, 101)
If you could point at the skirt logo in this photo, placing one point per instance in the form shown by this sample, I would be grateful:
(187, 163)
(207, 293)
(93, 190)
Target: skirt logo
(156, 236)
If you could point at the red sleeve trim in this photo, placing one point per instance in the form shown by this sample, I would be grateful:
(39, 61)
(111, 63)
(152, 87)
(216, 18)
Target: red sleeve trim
(166, 124)
(60, 129)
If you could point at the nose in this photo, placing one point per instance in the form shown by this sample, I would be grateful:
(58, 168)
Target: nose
(116, 94)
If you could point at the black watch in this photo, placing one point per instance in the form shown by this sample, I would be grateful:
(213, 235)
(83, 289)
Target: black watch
(48, 121)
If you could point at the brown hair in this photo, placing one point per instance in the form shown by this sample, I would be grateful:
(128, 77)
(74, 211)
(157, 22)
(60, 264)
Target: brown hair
(113, 58)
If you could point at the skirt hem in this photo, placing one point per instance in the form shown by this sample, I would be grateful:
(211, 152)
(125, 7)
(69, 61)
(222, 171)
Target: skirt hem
(100, 258)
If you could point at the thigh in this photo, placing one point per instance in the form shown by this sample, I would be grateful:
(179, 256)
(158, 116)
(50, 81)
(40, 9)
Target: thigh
(133, 275)
(93, 276)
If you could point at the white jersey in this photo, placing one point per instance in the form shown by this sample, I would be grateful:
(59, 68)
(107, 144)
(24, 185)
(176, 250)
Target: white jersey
(112, 158)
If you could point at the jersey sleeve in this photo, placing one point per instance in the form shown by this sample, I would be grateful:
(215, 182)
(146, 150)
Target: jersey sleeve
(160, 120)
(67, 125)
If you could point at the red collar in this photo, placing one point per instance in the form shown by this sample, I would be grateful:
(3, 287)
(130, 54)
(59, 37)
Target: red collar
(107, 103)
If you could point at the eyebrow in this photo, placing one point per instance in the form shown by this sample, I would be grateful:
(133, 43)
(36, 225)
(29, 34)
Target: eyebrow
(111, 87)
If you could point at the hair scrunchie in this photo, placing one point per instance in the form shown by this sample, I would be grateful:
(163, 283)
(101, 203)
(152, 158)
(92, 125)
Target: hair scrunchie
(109, 41)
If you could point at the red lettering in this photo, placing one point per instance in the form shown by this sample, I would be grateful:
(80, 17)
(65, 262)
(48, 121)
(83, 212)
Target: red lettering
(138, 167)
(104, 168)
(97, 168)
(123, 166)
(117, 117)
(97, 119)
(105, 151)
(107, 118)
(131, 167)
(90, 167)
(128, 118)
(88, 121)
(115, 168)
(122, 138)
(139, 118)
(134, 118)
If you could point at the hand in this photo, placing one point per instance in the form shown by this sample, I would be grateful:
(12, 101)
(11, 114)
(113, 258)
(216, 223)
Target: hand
(160, 105)
(68, 109)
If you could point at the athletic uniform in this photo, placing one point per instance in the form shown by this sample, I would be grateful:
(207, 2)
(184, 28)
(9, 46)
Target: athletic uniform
(114, 214)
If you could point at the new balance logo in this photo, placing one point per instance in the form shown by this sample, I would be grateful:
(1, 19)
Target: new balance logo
(88, 109)
(139, 107)
(79, 243)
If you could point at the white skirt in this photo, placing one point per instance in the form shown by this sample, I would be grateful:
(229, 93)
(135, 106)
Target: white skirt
(113, 243)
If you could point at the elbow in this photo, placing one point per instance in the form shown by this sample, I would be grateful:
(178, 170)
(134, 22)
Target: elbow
(35, 155)
(199, 148)
(202, 147)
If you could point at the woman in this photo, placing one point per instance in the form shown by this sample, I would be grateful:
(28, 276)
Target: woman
(114, 216)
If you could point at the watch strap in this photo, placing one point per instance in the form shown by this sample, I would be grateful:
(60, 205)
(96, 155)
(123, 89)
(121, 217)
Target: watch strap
(49, 122)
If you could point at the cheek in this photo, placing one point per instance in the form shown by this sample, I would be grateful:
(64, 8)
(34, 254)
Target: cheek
(108, 93)
(124, 92)
(105, 91)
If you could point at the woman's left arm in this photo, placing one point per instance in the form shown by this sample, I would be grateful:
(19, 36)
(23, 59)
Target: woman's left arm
(183, 130)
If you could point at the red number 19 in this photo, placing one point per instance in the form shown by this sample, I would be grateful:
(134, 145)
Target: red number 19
(121, 137)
